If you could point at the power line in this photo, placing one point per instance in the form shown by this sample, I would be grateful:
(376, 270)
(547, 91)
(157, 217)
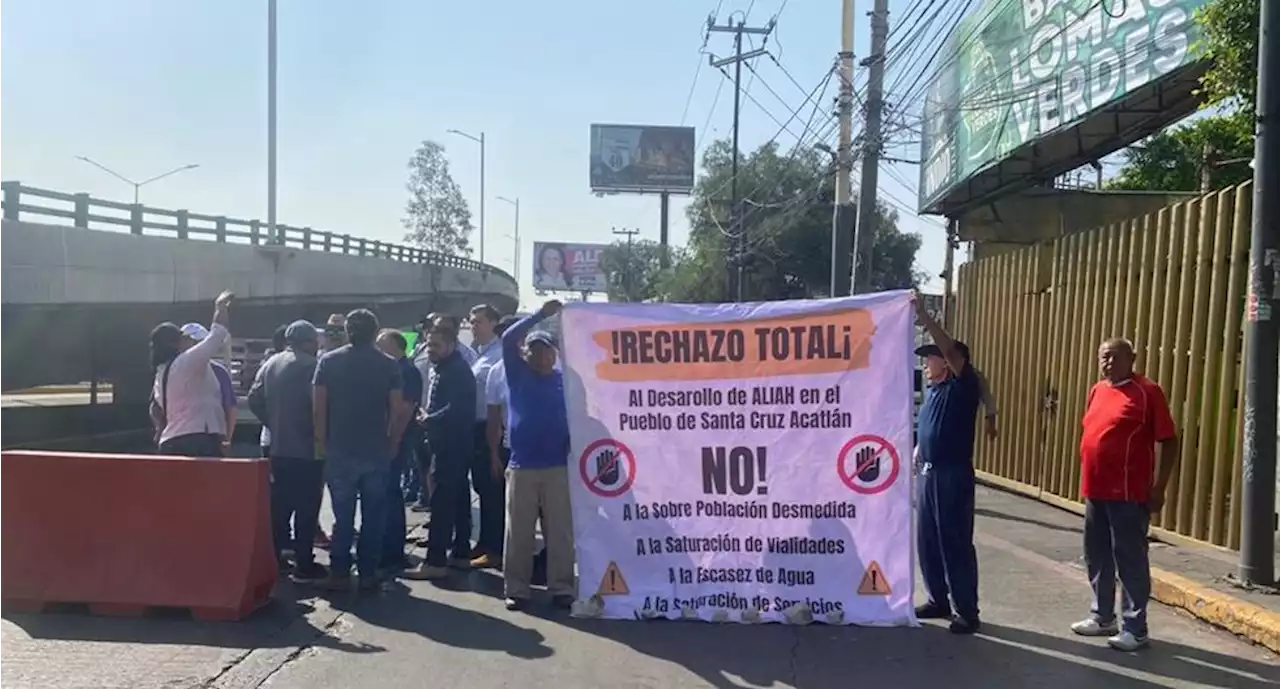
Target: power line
(697, 69)
(738, 30)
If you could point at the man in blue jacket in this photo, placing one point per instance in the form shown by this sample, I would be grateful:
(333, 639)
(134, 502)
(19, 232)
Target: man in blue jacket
(537, 474)
(450, 427)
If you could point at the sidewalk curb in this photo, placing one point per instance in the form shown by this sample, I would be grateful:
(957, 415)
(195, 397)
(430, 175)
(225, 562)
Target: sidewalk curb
(1253, 622)
(59, 390)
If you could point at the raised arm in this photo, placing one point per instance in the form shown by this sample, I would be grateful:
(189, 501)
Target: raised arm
(210, 347)
(513, 340)
(955, 361)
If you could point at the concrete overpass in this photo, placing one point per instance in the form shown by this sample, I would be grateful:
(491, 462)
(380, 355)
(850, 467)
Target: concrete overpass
(85, 280)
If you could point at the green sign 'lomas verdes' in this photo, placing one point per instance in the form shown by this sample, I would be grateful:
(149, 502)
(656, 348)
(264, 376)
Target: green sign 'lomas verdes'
(1015, 70)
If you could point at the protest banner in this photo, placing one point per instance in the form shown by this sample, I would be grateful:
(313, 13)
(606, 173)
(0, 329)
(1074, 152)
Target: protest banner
(743, 462)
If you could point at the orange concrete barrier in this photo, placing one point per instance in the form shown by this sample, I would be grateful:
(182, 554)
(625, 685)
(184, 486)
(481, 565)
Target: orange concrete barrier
(126, 533)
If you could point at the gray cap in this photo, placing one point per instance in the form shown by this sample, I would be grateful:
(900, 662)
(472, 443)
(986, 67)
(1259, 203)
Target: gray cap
(301, 331)
(542, 336)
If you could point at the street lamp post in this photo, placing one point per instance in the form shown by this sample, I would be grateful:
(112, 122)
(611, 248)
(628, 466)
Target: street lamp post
(479, 140)
(271, 121)
(516, 237)
(137, 186)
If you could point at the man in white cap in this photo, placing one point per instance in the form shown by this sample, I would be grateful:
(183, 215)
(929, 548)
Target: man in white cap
(190, 420)
(226, 387)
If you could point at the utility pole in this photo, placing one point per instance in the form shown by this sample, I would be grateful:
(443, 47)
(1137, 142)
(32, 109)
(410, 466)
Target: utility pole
(627, 273)
(738, 235)
(842, 219)
(1257, 505)
(871, 146)
(664, 231)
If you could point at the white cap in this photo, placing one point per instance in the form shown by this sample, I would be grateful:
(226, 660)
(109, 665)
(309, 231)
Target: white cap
(195, 331)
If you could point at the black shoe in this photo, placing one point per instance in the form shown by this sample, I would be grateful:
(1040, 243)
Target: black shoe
(335, 583)
(515, 604)
(932, 611)
(419, 507)
(309, 574)
(960, 625)
(371, 584)
(563, 601)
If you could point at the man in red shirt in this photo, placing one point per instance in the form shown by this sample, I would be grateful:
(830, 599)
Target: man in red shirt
(1125, 416)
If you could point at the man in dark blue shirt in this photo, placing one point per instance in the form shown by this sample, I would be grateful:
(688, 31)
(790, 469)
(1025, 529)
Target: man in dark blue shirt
(945, 433)
(537, 474)
(360, 416)
(450, 428)
(393, 343)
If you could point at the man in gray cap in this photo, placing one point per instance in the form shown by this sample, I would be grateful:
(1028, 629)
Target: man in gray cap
(281, 399)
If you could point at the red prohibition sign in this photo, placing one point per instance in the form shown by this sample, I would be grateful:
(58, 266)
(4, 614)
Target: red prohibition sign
(850, 478)
(594, 477)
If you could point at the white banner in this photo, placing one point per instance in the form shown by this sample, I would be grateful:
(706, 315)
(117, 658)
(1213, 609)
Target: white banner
(743, 462)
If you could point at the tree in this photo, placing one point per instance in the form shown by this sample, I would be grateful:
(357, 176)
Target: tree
(787, 208)
(1174, 159)
(436, 216)
(1230, 40)
(635, 270)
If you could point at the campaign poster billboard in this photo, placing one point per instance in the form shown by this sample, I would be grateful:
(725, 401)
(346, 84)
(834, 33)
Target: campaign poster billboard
(631, 158)
(568, 267)
(1015, 73)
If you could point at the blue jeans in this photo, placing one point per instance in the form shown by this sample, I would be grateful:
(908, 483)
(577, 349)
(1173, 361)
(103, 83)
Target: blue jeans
(1115, 542)
(393, 539)
(352, 480)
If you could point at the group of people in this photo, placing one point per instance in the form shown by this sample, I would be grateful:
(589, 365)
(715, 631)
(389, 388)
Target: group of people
(1123, 481)
(490, 416)
(351, 409)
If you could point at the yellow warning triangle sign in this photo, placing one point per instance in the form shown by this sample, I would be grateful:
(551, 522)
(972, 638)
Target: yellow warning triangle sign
(612, 583)
(873, 582)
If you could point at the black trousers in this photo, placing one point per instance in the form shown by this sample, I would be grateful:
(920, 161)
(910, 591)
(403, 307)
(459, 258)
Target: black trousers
(492, 491)
(193, 445)
(449, 534)
(297, 490)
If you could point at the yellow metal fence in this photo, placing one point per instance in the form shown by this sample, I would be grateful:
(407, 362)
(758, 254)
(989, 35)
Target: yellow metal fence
(1174, 283)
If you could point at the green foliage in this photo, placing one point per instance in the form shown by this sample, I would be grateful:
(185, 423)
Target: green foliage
(1231, 40)
(787, 215)
(635, 270)
(436, 216)
(1173, 159)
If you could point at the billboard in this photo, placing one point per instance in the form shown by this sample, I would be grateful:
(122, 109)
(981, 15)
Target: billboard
(641, 159)
(1015, 73)
(568, 267)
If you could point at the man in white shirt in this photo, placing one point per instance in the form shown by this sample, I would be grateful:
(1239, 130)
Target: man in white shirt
(186, 399)
(488, 485)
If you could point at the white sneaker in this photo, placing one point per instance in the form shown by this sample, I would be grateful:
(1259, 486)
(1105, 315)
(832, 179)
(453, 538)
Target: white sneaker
(1127, 641)
(1092, 627)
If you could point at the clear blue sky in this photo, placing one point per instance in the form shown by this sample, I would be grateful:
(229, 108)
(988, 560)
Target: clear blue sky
(144, 86)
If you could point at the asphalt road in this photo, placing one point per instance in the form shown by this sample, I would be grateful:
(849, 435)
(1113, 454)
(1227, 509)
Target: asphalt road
(459, 635)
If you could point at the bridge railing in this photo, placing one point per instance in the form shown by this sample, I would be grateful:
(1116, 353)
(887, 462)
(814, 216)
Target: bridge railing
(22, 202)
